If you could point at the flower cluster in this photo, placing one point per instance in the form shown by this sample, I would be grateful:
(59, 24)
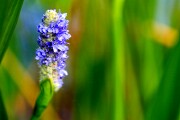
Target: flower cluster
(52, 51)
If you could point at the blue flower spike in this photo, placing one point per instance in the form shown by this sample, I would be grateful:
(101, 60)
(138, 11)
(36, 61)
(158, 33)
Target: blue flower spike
(51, 56)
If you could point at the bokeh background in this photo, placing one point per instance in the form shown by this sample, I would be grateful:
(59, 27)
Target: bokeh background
(124, 60)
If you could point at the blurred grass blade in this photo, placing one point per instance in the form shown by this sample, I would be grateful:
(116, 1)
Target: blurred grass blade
(118, 66)
(3, 115)
(166, 102)
(9, 12)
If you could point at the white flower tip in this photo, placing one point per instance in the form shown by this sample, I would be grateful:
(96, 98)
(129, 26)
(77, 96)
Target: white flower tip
(64, 15)
(50, 16)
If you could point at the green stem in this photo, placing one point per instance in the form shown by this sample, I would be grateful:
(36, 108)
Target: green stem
(43, 99)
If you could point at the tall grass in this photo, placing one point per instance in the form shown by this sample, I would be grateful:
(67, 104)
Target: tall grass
(123, 62)
(9, 12)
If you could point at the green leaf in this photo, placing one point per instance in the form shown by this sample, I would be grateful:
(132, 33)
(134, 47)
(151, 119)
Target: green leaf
(43, 99)
(9, 11)
(3, 115)
(165, 105)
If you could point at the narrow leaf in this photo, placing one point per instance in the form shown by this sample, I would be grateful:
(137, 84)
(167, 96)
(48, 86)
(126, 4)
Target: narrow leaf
(165, 105)
(3, 115)
(9, 16)
(9, 12)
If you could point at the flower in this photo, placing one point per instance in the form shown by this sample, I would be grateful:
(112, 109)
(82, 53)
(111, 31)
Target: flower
(52, 51)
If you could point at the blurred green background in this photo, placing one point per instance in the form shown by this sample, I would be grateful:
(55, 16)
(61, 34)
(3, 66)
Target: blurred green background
(124, 60)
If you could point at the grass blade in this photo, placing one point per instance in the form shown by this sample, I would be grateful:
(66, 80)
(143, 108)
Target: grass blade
(3, 115)
(118, 66)
(10, 12)
(166, 104)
